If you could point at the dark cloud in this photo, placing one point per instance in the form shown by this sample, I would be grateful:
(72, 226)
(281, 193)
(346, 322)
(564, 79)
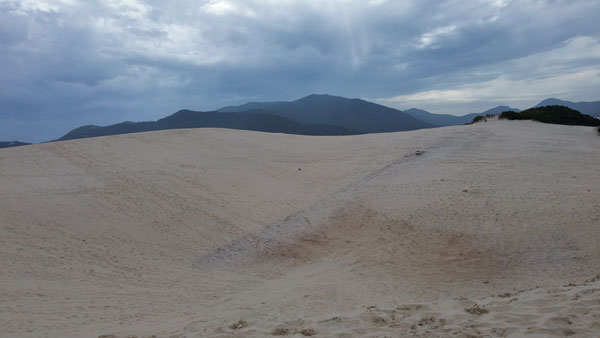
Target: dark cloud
(65, 63)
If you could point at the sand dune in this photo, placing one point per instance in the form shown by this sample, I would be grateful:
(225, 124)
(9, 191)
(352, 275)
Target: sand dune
(485, 230)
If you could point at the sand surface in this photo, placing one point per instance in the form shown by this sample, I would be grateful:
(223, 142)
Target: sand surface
(487, 230)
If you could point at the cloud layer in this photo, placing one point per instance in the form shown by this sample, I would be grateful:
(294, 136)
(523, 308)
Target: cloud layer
(65, 63)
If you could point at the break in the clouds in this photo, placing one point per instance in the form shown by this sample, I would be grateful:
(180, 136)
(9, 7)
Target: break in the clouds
(64, 63)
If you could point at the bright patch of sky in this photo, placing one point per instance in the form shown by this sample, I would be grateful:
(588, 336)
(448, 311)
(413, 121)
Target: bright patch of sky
(66, 63)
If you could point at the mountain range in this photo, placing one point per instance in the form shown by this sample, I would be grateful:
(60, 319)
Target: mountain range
(354, 114)
(443, 120)
(310, 115)
(256, 120)
(588, 108)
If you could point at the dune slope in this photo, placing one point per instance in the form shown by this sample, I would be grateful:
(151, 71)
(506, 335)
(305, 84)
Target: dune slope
(491, 229)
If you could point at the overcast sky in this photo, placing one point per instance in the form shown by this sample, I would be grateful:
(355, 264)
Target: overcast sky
(66, 63)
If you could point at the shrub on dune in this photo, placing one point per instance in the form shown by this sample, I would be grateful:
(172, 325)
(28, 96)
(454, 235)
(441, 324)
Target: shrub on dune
(554, 115)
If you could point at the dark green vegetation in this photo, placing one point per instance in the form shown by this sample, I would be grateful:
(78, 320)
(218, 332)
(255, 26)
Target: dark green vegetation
(588, 108)
(478, 118)
(484, 118)
(554, 115)
(311, 115)
(442, 120)
(10, 144)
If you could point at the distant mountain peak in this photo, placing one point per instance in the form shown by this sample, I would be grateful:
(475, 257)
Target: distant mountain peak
(551, 101)
(415, 110)
(500, 109)
(322, 97)
(329, 109)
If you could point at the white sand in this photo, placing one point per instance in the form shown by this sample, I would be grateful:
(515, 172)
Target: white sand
(221, 233)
